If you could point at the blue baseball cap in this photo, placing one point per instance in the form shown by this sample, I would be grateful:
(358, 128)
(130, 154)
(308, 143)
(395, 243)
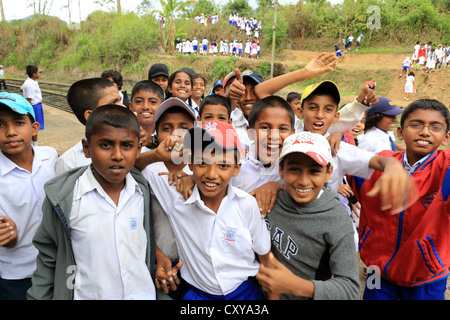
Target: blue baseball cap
(384, 106)
(217, 83)
(17, 103)
(255, 75)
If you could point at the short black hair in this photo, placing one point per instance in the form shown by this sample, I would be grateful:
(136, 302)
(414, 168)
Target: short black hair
(293, 95)
(112, 115)
(115, 75)
(215, 99)
(30, 70)
(85, 94)
(270, 102)
(372, 120)
(426, 104)
(148, 85)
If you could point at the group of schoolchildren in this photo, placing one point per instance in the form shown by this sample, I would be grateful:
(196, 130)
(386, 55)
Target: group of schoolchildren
(249, 26)
(427, 57)
(233, 49)
(234, 197)
(347, 42)
(206, 19)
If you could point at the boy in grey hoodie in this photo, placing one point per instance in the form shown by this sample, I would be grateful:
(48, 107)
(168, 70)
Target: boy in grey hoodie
(314, 254)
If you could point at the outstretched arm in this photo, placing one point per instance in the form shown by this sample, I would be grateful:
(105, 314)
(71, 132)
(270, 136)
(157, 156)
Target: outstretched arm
(323, 63)
(395, 186)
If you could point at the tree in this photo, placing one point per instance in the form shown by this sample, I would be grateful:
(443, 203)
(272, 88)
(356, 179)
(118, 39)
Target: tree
(108, 2)
(170, 10)
(41, 6)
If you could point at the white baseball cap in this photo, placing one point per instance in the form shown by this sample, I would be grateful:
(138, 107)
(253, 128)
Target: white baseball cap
(312, 144)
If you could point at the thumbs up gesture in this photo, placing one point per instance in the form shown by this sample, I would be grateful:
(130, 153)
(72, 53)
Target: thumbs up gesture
(237, 88)
(367, 97)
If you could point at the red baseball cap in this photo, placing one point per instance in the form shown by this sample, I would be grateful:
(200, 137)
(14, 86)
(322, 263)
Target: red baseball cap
(220, 133)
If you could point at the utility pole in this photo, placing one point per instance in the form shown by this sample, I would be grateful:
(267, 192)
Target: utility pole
(273, 38)
(2, 10)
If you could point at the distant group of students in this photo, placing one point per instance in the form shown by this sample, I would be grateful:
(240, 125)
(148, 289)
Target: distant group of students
(249, 26)
(427, 57)
(233, 195)
(204, 47)
(206, 18)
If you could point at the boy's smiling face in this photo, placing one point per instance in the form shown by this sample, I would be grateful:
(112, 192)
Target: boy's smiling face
(272, 126)
(419, 143)
(212, 172)
(216, 112)
(145, 103)
(249, 99)
(303, 177)
(16, 131)
(113, 152)
(319, 113)
(176, 124)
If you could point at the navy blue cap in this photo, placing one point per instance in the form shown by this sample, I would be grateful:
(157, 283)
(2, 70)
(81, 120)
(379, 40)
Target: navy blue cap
(217, 83)
(384, 106)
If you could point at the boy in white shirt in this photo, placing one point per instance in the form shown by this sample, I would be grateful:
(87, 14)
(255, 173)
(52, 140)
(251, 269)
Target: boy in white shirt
(83, 97)
(33, 94)
(219, 228)
(96, 238)
(23, 171)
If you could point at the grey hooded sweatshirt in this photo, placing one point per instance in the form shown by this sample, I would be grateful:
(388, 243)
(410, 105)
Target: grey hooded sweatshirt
(316, 242)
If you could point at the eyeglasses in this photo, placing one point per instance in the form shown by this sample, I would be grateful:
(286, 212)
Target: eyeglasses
(419, 127)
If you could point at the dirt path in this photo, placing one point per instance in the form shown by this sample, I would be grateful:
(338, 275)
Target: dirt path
(62, 129)
(387, 67)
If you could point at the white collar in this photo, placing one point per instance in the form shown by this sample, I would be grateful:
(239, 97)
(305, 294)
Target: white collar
(412, 168)
(87, 183)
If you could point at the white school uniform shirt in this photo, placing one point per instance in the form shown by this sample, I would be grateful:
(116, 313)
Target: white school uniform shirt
(109, 242)
(376, 140)
(21, 197)
(240, 124)
(32, 91)
(350, 160)
(164, 236)
(72, 158)
(217, 250)
(253, 174)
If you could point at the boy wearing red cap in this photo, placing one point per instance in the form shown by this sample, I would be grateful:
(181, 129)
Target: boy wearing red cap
(218, 229)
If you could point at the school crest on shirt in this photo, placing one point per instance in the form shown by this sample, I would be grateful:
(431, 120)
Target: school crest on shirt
(428, 199)
(230, 234)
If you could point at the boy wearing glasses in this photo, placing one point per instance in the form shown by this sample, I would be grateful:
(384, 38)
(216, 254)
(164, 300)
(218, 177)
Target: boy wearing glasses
(411, 250)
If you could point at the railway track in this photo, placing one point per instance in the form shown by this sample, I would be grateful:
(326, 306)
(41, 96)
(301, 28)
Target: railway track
(53, 94)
